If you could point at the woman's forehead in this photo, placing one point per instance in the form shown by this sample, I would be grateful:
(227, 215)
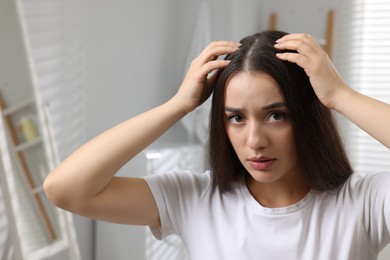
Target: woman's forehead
(252, 86)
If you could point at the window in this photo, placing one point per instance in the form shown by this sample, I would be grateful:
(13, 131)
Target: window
(362, 51)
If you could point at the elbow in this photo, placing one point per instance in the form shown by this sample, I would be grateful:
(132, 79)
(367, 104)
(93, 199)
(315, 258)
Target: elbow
(51, 191)
(62, 193)
(56, 193)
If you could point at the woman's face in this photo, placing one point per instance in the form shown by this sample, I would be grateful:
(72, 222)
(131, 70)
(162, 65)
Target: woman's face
(258, 126)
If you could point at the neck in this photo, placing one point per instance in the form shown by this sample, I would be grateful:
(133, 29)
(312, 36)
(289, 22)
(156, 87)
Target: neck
(278, 194)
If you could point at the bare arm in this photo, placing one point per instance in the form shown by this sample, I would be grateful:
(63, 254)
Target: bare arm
(371, 115)
(85, 184)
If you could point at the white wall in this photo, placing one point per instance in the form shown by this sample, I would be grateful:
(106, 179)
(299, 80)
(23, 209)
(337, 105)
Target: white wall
(298, 16)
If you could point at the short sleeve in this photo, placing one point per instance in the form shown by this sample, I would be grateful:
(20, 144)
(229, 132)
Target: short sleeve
(374, 190)
(176, 195)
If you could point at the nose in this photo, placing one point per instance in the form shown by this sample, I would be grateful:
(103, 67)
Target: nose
(257, 137)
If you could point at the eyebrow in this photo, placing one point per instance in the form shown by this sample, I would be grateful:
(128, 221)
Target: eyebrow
(274, 105)
(266, 107)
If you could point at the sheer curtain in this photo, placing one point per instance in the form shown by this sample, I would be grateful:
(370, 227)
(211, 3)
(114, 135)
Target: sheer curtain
(362, 50)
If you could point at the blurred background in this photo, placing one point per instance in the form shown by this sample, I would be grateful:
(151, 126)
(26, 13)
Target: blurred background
(70, 69)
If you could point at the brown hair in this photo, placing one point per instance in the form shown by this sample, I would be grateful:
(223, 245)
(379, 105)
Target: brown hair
(320, 150)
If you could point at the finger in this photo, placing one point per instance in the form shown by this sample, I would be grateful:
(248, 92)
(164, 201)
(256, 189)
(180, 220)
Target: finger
(300, 46)
(218, 48)
(294, 36)
(215, 49)
(307, 38)
(212, 66)
(222, 43)
(297, 58)
(213, 76)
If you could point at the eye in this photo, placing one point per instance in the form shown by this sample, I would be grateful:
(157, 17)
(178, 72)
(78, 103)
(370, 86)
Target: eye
(235, 119)
(277, 116)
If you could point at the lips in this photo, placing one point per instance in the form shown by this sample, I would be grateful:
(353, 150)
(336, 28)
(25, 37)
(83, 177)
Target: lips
(261, 163)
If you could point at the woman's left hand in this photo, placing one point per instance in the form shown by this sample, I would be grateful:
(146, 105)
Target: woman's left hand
(324, 78)
(367, 113)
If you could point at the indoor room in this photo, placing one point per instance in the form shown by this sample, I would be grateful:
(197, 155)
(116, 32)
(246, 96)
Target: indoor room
(73, 69)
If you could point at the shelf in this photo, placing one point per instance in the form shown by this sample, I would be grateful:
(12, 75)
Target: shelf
(15, 108)
(12, 116)
(28, 145)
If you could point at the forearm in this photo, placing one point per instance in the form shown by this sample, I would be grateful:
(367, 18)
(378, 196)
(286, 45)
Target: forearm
(88, 170)
(371, 115)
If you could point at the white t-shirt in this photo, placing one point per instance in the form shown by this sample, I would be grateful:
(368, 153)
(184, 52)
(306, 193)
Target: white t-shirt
(353, 223)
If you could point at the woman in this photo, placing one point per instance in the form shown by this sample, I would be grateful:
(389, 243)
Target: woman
(280, 187)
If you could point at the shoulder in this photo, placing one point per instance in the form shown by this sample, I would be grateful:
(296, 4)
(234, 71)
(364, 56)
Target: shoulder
(177, 194)
(363, 181)
(371, 196)
(179, 183)
(359, 189)
(181, 177)
(366, 189)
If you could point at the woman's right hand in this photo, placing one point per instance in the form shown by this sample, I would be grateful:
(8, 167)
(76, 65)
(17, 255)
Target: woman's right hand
(197, 87)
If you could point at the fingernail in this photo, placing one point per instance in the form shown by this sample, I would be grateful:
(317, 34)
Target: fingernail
(278, 40)
(276, 45)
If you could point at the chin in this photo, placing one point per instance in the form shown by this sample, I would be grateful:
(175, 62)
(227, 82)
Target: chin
(263, 177)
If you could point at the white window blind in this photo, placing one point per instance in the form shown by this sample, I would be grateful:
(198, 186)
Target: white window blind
(55, 30)
(362, 55)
